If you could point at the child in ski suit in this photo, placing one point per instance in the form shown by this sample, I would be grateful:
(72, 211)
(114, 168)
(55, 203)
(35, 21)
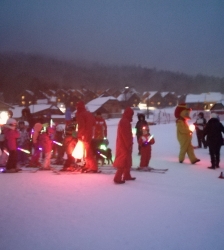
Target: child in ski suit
(45, 143)
(145, 142)
(69, 144)
(23, 143)
(34, 162)
(11, 136)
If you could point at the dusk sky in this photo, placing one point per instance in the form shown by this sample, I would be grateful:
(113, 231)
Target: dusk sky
(177, 35)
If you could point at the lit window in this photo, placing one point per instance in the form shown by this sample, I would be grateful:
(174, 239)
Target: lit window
(158, 103)
(59, 99)
(23, 97)
(23, 103)
(29, 102)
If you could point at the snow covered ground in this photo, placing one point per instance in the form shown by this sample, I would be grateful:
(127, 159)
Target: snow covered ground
(179, 210)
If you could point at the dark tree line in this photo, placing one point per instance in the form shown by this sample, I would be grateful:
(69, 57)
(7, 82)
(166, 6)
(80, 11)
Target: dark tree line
(25, 71)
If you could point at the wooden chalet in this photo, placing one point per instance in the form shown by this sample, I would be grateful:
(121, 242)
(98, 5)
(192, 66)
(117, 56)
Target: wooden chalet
(61, 95)
(154, 99)
(204, 101)
(109, 106)
(169, 99)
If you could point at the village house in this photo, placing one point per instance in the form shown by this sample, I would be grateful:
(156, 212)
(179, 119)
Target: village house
(169, 99)
(109, 107)
(203, 101)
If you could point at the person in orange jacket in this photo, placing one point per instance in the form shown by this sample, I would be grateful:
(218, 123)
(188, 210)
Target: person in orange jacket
(124, 144)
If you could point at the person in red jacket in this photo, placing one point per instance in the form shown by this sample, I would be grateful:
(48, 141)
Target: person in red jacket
(124, 144)
(11, 136)
(100, 127)
(145, 142)
(85, 121)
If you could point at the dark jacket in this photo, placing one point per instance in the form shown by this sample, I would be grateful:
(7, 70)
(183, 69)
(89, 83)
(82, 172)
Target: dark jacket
(213, 131)
(140, 124)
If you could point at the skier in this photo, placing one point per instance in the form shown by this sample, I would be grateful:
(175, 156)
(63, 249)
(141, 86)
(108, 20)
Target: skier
(45, 144)
(145, 142)
(23, 142)
(124, 144)
(199, 126)
(34, 162)
(85, 121)
(69, 145)
(139, 125)
(213, 131)
(184, 134)
(11, 136)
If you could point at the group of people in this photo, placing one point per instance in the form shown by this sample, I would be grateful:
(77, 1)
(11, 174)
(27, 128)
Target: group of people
(41, 138)
(209, 134)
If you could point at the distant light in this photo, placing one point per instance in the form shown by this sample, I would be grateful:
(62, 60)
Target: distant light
(192, 127)
(3, 117)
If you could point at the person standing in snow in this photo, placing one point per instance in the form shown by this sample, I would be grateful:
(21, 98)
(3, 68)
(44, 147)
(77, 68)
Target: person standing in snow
(145, 142)
(23, 143)
(34, 162)
(11, 136)
(184, 134)
(100, 127)
(85, 121)
(139, 126)
(99, 133)
(124, 144)
(213, 130)
(69, 144)
(199, 126)
(45, 144)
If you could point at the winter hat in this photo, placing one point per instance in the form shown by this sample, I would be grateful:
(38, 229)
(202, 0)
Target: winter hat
(37, 127)
(214, 115)
(128, 113)
(11, 121)
(181, 107)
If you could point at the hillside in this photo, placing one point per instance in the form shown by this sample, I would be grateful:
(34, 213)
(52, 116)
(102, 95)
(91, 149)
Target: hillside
(28, 71)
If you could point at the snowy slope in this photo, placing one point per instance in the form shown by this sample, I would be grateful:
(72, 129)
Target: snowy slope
(182, 209)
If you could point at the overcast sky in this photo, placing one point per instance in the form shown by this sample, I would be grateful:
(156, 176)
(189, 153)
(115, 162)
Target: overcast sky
(177, 35)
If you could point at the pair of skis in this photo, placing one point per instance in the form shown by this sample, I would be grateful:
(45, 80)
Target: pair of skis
(150, 169)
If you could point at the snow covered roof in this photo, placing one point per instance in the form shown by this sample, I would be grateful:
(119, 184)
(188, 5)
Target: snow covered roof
(205, 97)
(164, 93)
(17, 111)
(93, 105)
(42, 101)
(30, 92)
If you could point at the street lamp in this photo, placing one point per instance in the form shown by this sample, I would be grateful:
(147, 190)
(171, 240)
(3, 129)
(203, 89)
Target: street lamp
(125, 95)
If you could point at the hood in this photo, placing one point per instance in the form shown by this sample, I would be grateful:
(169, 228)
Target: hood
(128, 113)
(37, 127)
(80, 106)
(141, 117)
(182, 111)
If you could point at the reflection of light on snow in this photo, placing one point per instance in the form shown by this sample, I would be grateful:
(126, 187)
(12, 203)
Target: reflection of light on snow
(133, 132)
(3, 117)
